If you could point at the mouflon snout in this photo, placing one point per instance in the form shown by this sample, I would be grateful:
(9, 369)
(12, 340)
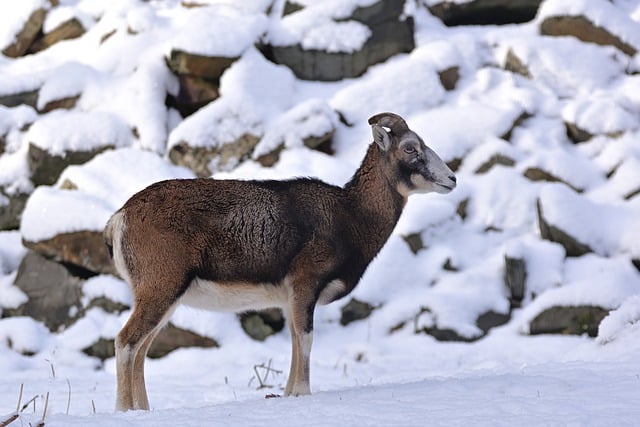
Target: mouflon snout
(419, 168)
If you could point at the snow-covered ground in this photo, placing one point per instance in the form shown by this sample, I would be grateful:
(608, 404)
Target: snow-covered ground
(361, 374)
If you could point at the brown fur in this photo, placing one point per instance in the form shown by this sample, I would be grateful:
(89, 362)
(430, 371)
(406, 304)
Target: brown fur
(279, 243)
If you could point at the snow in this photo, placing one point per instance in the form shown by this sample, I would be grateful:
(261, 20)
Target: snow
(60, 131)
(377, 371)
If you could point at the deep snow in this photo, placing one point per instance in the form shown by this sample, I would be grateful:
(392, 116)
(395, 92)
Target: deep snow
(361, 374)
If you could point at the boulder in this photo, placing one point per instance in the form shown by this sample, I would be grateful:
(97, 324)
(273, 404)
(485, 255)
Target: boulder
(515, 277)
(169, 339)
(199, 79)
(537, 174)
(485, 12)
(54, 293)
(11, 207)
(355, 310)
(67, 30)
(496, 159)
(516, 65)
(83, 249)
(67, 103)
(449, 77)
(46, 168)
(27, 35)
(262, 324)
(491, 319)
(390, 35)
(29, 98)
(572, 246)
(576, 320)
(225, 157)
(584, 29)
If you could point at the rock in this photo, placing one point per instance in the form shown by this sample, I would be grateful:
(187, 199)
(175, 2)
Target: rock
(576, 134)
(65, 103)
(491, 319)
(355, 310)
(449, 77)
(46, 168)
(485, 12)
(199, 78)
(496, 159)
(584, 29)
(67, 30)
(29, 98)
(389, 36)
(169, 338)
(172, 337)
(536, 174)
(193, 94)
(54, 293)
(83, 249)
(515, 277)
(515, 64)
(262, 324)
(11, 211)
(414, 240)
(226, 157)
(572, 246)
(568, 320)
(190, 64)
(26, 36)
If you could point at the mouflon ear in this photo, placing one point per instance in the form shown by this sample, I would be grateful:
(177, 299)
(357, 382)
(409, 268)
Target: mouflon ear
(381, 137)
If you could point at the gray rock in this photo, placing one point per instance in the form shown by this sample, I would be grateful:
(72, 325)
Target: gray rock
(262, 324)
(169, 339)
(492, 319)
(46, 168)
(572, 246)
(11, 212)
(485, 12)
(568, 321)
(389, 36)
(29, 98)
(515, 277)
(54, 293)
(582, 28)
(355, 310)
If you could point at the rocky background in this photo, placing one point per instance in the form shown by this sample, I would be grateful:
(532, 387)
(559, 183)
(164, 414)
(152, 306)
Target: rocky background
(53, 273)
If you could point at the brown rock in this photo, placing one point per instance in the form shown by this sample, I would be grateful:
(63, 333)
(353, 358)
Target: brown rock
(550, 232)
(449, 77)
(84, 249)
(198, 159)
(191, 64)
(582, 28)
(514, 64)
(70, 29)
(194, 93)
(65, 103)
(26, 36)
(536, 174)
(496, 159)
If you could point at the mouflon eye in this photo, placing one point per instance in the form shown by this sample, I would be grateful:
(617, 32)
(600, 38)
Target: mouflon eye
(409, 149)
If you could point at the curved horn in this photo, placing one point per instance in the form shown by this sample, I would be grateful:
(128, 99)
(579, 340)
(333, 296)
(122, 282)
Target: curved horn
(390, 120)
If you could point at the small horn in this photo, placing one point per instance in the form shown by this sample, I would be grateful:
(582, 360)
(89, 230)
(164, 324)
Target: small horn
(390, 120)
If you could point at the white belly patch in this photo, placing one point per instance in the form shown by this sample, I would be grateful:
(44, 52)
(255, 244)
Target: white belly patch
(235, 297)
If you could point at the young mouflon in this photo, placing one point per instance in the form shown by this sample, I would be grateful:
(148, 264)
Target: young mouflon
(237, 245)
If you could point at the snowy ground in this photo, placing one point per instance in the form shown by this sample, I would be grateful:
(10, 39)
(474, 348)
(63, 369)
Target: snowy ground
(360, 374)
